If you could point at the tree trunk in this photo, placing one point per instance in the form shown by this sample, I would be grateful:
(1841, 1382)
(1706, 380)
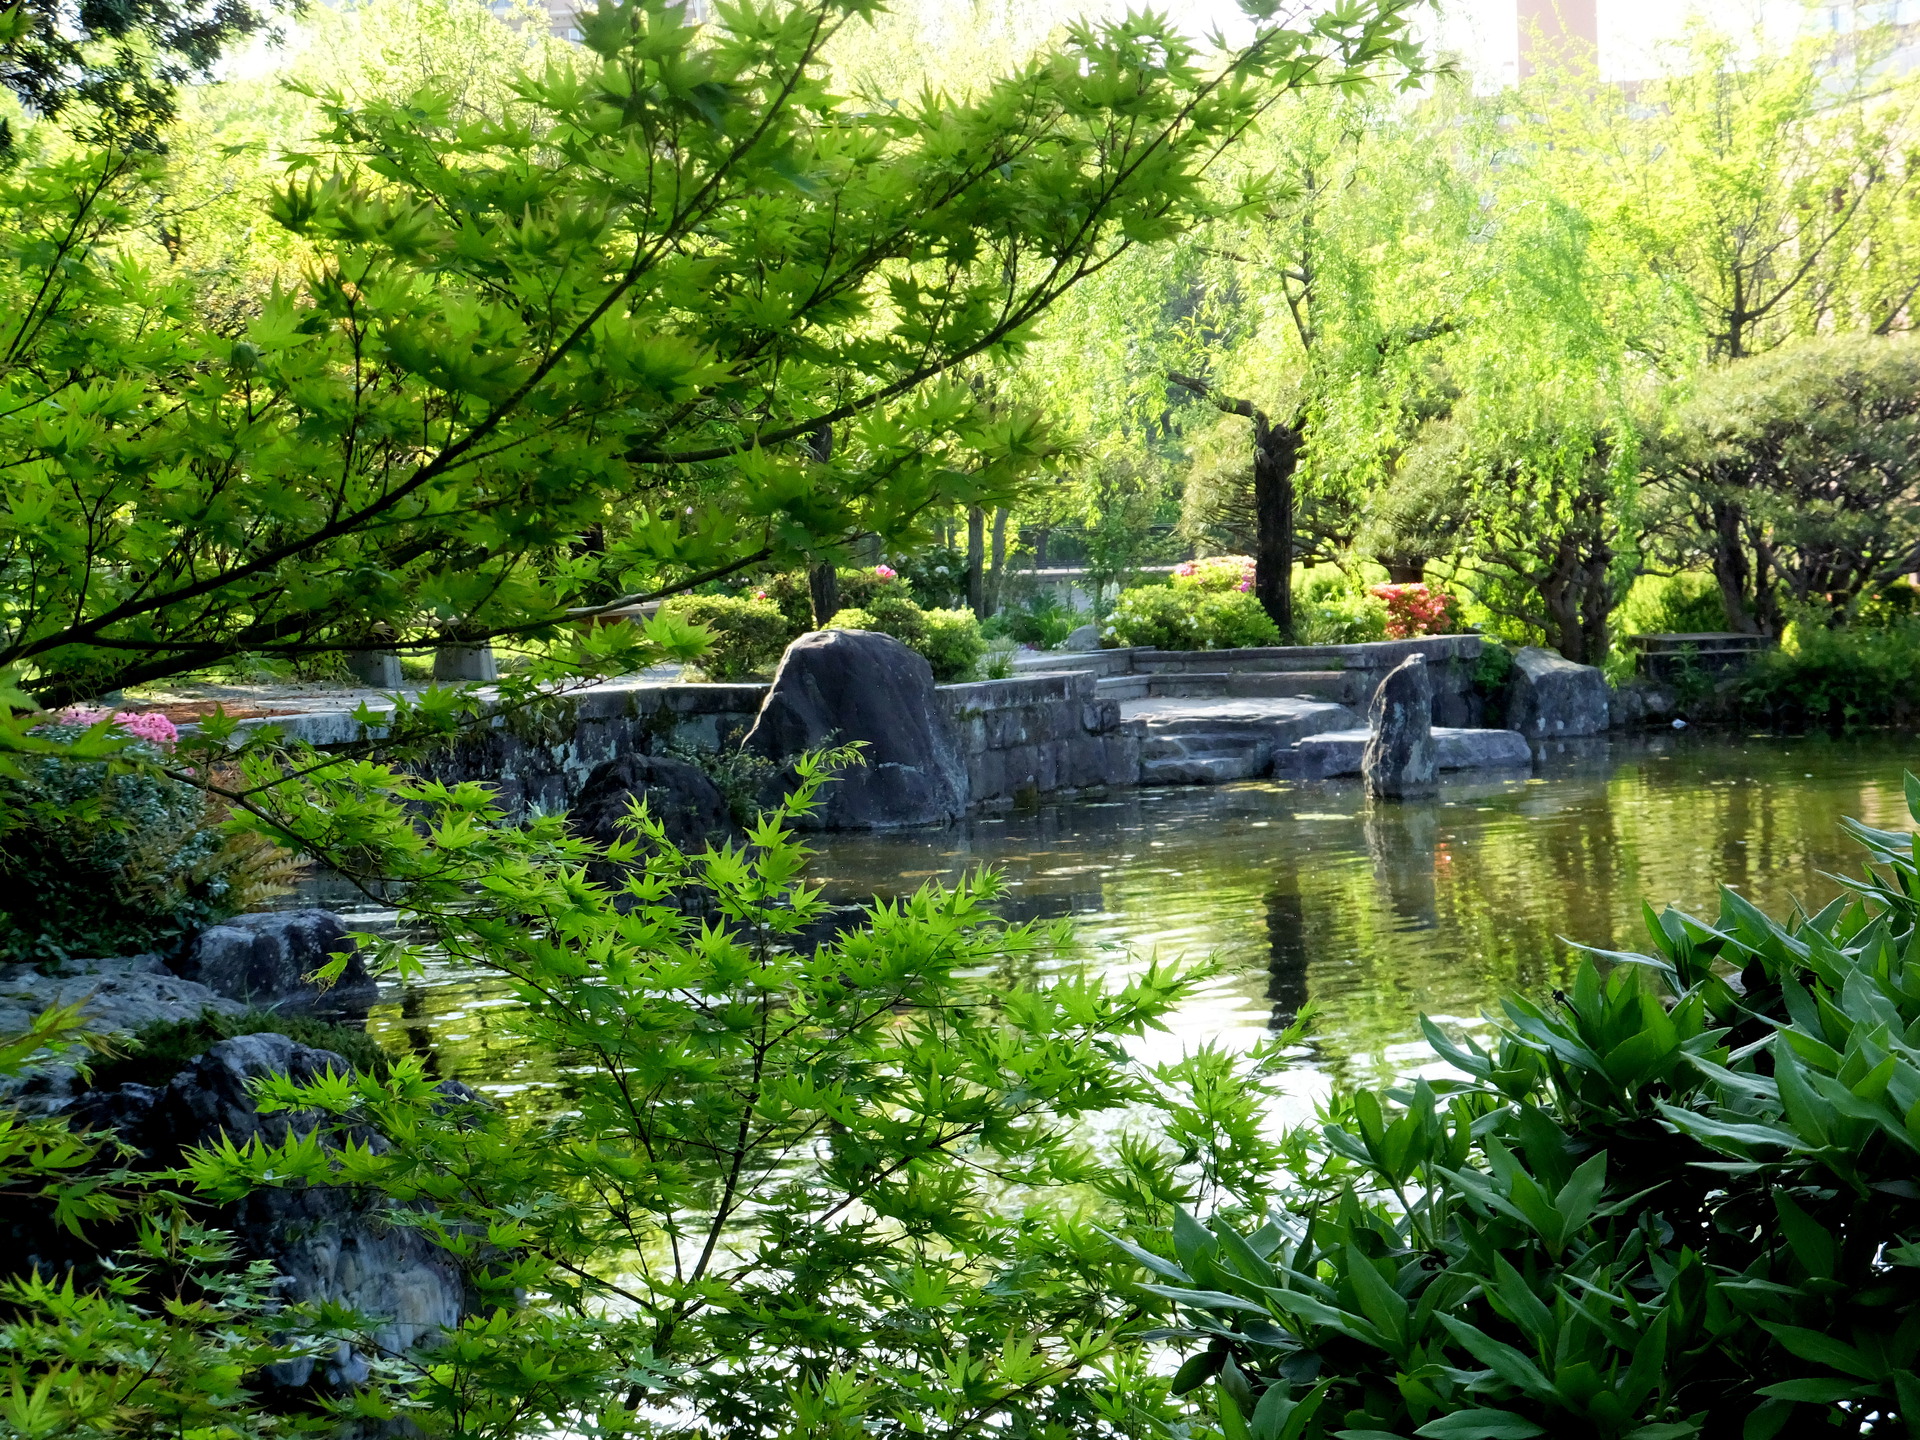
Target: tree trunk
(1730, 568)
(999, 560)
(976, 562)
(1405, 570)
(1276, 454)
(824, 583)
(1040, 547)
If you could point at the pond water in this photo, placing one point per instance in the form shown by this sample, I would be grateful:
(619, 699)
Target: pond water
(1372, 913)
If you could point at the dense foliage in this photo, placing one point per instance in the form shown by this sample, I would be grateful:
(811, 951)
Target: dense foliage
(113, 856)
(812, 1176)
(678, 311)
(1677, 1202)
(1168, 617)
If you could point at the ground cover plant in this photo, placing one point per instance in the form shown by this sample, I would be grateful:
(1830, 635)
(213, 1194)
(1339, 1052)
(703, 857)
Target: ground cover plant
(1677, 1201)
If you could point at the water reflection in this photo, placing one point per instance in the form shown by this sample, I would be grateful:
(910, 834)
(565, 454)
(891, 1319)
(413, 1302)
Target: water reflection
(1307, 894)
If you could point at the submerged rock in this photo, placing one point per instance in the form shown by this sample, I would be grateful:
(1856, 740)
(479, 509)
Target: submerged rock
(837, 686)
(1549, 696)
(1400, 759)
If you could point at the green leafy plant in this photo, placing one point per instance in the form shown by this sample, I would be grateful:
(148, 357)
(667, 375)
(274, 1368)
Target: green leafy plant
(113, 857)
(1188, 619)
(749, 636)
(1044, 620)
(953, 644)
(1676, 1203)
(801, 1185)
(1837, 678)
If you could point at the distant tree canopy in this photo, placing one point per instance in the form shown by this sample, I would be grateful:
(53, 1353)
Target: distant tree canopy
(119, 62)
(1796, 474)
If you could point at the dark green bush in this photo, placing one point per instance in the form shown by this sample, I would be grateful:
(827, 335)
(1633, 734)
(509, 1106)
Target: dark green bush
(155, 1053)
(112, 860)
(1679, 1202)
(1837, 679)
(1043, 620)
(749, 635)
(791, 591)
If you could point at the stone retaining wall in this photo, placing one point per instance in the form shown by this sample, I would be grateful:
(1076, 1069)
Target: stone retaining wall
(1037, 734)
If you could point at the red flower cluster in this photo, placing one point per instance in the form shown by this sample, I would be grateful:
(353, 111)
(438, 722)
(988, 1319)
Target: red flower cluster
(1415, 610)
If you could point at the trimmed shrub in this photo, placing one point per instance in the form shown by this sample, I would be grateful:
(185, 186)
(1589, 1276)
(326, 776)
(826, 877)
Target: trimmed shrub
(1675, 1203)
(1417, 609)
(1217, 574)
(1167, 618)
(1837, 679)
(1686, 604)
(106, 859)
(748, 635)
(952, 644)
(792, 593)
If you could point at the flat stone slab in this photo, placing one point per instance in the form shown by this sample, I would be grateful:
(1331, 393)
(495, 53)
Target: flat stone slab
(1283, 719)
(1338, 752)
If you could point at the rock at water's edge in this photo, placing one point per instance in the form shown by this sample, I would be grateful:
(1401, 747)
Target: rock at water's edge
(682, 797)
(1399, 759)
(837, 686)
(264, 959)
(1549, 696)
(328, 1244)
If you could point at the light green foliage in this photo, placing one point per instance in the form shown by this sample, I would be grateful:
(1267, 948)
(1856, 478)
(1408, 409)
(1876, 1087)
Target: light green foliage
(1330, 608)
(1684, 604)
(952, 642)
(805, 1180)
(1166, 618)
(674, 261)
(749, 636)
(1664, 1207)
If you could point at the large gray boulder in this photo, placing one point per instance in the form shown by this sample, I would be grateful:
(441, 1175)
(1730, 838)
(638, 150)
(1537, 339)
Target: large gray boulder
(838, 686)
(327, 1244)
(265, 959)
(1400, 756)
(1548, 696)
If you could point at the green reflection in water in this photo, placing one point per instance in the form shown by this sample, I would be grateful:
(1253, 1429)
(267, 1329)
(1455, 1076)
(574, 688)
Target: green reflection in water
(1306, 892)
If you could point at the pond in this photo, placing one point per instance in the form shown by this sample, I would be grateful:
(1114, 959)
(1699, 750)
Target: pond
(1304, 893)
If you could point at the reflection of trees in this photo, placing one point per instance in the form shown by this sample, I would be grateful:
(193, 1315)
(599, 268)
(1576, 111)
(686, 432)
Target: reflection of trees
(1287, 950)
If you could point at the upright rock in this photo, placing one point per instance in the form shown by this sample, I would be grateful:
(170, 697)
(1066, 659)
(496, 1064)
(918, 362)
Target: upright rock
(1550, 697)
(1400, 755)
(837, 686)
(264, 959)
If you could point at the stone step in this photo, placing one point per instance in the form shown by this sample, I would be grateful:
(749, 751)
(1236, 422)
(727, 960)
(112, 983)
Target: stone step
(1159, 745)
(1205, 769)
(1338, 752)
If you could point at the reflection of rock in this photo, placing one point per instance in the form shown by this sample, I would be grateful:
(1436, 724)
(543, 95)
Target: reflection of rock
(264, 960)
(837, 686)
(1549, 696)
(1399, 758)
(1400, 843)
(1287, 950)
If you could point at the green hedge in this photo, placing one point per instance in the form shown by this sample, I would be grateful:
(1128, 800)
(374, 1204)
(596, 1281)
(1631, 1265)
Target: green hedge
(748, 635)
(1167, 618)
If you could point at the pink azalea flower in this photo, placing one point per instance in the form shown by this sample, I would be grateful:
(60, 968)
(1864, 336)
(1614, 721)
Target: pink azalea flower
(151, 726)
(886, 572)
